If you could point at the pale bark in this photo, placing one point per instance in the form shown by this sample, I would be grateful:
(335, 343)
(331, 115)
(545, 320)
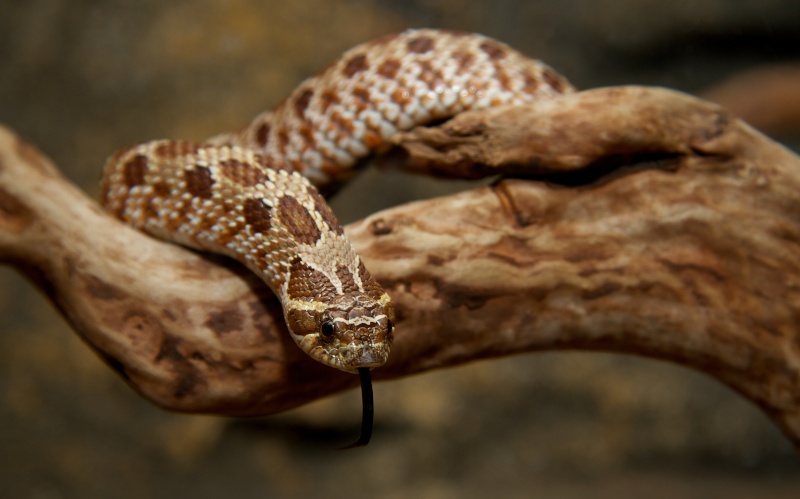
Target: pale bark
(666, 228)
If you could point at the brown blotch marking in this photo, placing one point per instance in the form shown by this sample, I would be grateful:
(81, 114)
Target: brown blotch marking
(262, 134)
(326, 212)
(355, 64)
(344, 123)
(134, 170)
(301, 102)
(401, 97)
(307, 132)
(162, 189)
(257, 215)
(199, 181)
(347, 279)
(175, 148)
(494, 50)
(553, 79)
(372, 140)
(420, 45)
(502, 77)
(389, 68)
(186, 148)
(150, 209)
(298, 220)
(303, 322)
(464, 59)
(165, 150)
(272, 163)
(429, 75)
(328, 98)
(241, 172)
(283, 139)
(531, 83)
(225, 321)
(306, 283)
(362, 94)
(370, 285)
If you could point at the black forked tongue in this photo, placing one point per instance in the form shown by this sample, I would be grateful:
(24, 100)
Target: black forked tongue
(368, 409)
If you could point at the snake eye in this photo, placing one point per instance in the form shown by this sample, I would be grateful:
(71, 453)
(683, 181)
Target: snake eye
(389, 328)
(327, 329)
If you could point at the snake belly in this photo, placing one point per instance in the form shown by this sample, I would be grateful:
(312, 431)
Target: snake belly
(252, 194)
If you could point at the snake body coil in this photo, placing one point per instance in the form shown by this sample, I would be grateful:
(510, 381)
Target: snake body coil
(249, 194)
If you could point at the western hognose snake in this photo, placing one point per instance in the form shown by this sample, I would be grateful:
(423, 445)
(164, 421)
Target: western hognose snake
(252, 194)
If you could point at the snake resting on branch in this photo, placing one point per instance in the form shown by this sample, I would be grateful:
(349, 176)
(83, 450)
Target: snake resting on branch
(254, 194)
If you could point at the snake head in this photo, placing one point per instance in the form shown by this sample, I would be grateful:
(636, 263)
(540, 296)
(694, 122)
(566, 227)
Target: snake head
(351, 331)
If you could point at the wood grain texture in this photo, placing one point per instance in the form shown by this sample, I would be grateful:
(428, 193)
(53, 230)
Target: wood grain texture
(656, 224)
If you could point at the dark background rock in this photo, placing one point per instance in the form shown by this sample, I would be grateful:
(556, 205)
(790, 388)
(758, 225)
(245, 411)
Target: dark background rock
(84, 78)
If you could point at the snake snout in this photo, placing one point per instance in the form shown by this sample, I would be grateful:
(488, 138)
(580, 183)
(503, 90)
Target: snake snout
(368, 357)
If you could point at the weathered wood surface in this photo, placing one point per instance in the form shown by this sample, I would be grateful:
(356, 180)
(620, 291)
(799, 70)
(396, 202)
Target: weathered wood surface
(666, 228)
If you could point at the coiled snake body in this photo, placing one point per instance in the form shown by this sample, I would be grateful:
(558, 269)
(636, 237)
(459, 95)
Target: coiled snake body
(251, 194)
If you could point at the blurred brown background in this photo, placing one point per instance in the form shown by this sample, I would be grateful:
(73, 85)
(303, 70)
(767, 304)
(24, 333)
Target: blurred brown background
(81, 78)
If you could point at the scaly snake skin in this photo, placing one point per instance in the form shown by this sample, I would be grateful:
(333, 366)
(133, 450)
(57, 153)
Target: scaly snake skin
(249, 194)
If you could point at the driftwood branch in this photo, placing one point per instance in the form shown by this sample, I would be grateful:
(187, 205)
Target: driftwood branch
(667, 229)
